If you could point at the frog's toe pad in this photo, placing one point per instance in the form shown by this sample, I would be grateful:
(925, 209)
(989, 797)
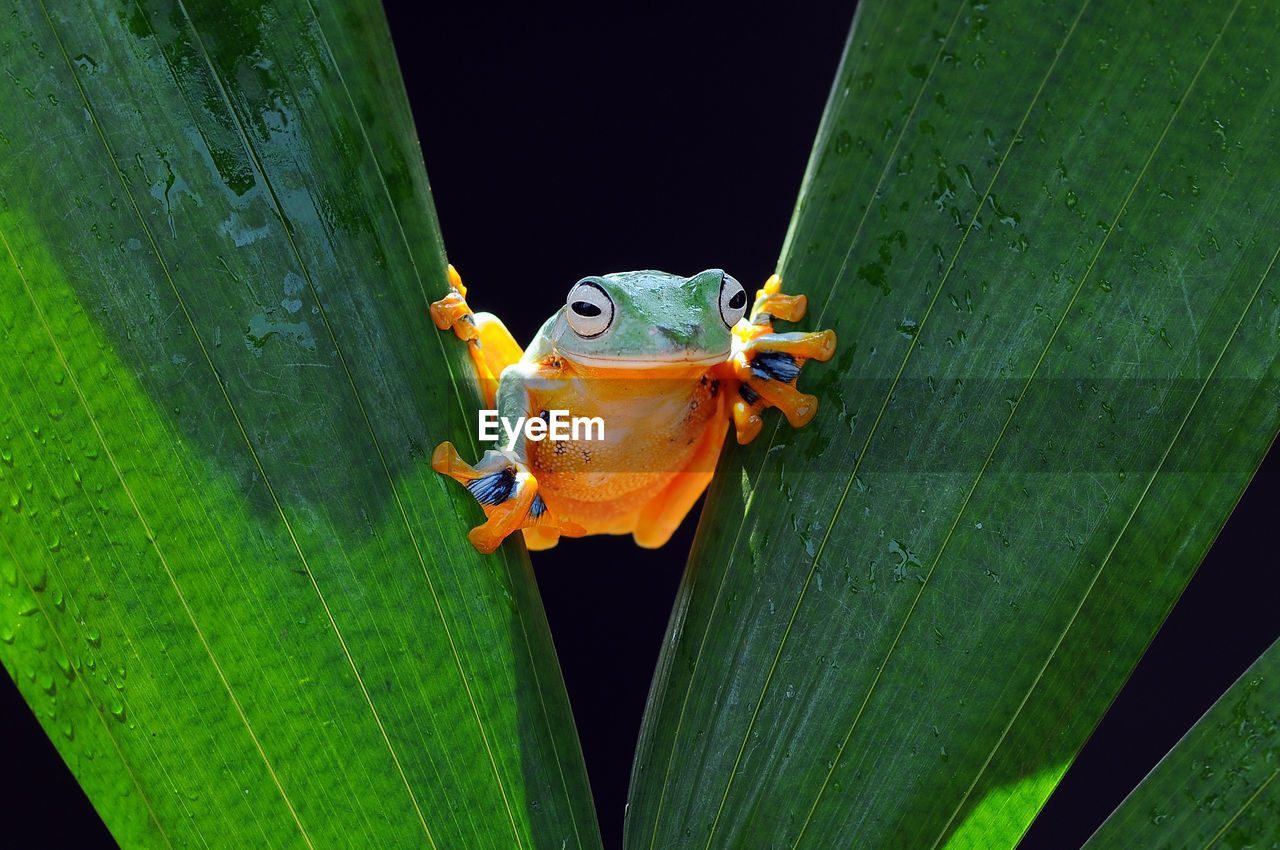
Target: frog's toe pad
(446, 461)
(755, 395)
(770, 305)
(746, 415)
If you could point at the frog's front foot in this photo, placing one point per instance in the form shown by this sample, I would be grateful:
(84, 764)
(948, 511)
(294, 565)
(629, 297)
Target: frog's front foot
(452, 312)
(489, 343)
(507, 492)
(767, 364)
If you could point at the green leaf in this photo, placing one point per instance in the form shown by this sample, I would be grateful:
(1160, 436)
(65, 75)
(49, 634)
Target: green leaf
(1218, 784)
(231, 587)
(1044, 235)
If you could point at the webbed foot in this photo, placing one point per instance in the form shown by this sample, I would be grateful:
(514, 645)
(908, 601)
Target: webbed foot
(451, 312)
(490, 344)
(767, 364)
(507, 492)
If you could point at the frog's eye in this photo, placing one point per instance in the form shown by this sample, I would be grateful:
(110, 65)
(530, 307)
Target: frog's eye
(733, 301)
(590, 309)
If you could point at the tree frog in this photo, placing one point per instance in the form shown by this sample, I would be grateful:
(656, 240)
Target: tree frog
(664, 362)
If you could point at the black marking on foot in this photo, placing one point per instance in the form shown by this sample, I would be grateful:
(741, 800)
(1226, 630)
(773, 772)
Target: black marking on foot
(749, 395)
(494, 488)
(775, 365)
(537, 507)
(715, 387)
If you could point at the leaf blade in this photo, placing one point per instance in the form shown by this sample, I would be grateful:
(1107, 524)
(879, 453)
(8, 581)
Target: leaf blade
(769, 683)
(297, 591)
(1218, 782)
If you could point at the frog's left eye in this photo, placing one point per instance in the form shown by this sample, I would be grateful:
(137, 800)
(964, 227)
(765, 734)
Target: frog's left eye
(590, 309)
(733, 301)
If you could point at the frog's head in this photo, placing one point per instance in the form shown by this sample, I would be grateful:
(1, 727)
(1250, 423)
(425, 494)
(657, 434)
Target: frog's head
(649, 319)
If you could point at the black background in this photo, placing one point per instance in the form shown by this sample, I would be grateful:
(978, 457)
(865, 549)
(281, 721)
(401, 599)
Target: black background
(564, 142)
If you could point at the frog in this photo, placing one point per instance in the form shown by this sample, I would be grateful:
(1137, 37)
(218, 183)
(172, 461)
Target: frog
(665, 363)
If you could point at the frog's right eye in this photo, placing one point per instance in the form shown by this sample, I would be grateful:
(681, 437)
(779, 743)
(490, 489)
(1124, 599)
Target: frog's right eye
(590, 309)
(733, 301)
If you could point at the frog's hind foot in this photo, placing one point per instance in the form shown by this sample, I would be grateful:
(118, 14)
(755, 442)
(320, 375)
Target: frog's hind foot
(767, 364)
(507, 493)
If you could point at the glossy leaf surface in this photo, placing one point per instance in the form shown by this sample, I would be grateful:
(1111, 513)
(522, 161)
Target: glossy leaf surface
(231, 587)
(1218, 786)
(1044, 235)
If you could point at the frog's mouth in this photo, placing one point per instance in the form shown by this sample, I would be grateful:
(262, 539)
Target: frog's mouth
(644, 363)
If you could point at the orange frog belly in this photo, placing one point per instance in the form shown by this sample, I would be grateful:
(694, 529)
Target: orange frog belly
(655, 428)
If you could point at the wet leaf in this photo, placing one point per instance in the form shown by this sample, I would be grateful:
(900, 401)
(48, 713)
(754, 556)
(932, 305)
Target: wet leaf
(1219, 783)
(234, 592)
(1044, 237)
